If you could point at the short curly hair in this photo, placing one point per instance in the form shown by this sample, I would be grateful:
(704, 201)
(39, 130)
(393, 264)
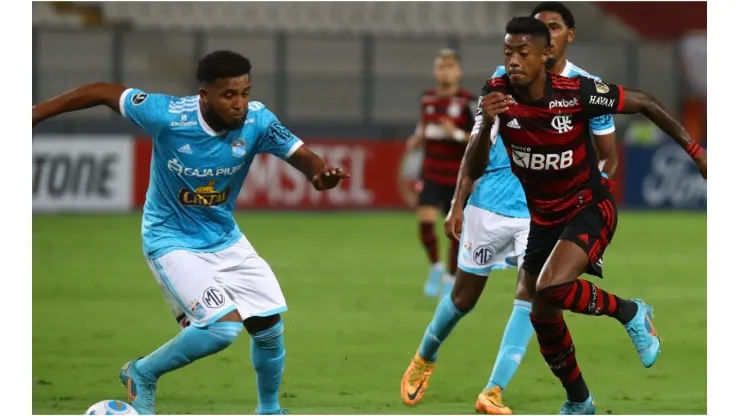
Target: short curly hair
(222, 64)
(556, 7)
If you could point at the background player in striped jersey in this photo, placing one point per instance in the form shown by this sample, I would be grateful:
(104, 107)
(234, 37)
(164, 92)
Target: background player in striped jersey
(207, 269)
(497, 221)
(571, 204)
(447, 114)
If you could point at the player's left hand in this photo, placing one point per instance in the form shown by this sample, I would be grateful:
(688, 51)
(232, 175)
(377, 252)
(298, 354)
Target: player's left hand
(453, 222)
(448, 125)
(701, 163)
(328, 178)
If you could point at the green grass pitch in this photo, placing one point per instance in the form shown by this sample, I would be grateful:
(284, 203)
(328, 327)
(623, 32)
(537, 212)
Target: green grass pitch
(354, 287)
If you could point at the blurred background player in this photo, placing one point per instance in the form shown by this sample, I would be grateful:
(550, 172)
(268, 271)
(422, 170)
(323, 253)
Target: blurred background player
(497, 218)
(204, 146)
(443, 130)
(572, 206)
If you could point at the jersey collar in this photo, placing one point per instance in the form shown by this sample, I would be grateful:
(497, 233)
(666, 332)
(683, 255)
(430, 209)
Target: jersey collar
(566, 69)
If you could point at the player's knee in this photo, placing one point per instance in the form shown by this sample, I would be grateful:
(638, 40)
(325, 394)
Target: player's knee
(464, 302)
(223, 333)
(270, 337)
(522, 293)
(257, 324)
(232, 316)
(553, 295)
(465, 293)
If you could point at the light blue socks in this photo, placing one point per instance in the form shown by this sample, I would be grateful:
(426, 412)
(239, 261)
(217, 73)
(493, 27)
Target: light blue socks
(189, 345)
(445, 318)
(268, 359)
(518, 332)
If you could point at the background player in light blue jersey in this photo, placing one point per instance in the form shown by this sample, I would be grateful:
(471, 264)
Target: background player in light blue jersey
(212, 278)
(493, 229)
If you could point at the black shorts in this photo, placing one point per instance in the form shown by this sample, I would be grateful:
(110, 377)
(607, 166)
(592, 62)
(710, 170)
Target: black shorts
(592, 229)
(437, 195)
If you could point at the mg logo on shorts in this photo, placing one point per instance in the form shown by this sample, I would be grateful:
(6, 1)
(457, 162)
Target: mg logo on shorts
(483, 255)
(213, 298)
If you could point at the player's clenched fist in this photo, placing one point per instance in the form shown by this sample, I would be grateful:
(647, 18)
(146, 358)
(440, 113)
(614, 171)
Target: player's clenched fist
(494, 104)
(328, 178)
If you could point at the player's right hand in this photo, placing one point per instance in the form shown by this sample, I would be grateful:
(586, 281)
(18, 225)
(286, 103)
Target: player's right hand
(494, 104)
(453, 222)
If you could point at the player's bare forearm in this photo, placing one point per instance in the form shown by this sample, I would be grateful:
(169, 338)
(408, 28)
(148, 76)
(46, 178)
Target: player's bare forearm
(321, 176)
(636, 101)
(463, 189)
(476, 153)
(90, 95)
(307, 162)
(606, 147)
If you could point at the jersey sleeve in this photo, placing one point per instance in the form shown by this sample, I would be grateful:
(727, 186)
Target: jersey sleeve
(275, 139)
(499, 72)
(148, 111)
(478, 119)
(600, 98)
(602, 125)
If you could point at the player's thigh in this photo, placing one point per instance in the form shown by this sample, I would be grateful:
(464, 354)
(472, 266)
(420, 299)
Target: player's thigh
(248, 280)
(540, 243)
(446, 194)
(592, 229)
(190, 287)
(430, 202)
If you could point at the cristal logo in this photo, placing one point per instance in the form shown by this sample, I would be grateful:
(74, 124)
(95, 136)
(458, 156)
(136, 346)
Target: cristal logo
(563, 103)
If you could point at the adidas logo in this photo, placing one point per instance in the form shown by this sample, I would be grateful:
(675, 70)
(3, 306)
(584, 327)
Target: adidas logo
(185, 149)
(513, 124)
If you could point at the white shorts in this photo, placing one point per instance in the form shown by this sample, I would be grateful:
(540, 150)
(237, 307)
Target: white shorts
(490, 241)
(207, 286)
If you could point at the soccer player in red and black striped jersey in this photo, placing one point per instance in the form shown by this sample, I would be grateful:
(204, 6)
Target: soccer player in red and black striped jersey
(542, 119)
(447, 116)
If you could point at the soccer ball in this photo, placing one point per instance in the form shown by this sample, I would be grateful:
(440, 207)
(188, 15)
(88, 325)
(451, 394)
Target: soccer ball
(111, 407)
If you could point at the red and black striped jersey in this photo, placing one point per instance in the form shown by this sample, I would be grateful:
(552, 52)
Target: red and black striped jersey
(443, 153)
(550, 147)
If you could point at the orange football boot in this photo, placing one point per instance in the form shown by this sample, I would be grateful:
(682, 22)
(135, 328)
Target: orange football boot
(491, 402)
(416, 380)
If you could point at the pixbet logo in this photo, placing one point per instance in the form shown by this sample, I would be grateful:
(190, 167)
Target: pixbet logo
(563, 103)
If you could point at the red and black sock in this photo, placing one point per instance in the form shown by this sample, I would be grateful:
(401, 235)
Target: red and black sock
(429, 239)
(559, 352)
(582, 296)
(452, 263)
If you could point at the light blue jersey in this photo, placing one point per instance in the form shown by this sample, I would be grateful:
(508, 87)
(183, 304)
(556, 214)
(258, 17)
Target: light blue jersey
(197, 173)
(499, 190)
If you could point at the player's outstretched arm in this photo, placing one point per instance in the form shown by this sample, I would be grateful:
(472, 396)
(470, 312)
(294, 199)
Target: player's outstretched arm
(602, 98)
(90, 95)
(636, 101)
(322, 177)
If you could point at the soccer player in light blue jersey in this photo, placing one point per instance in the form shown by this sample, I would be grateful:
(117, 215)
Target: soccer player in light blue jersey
(493, 230)
(213, 279)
